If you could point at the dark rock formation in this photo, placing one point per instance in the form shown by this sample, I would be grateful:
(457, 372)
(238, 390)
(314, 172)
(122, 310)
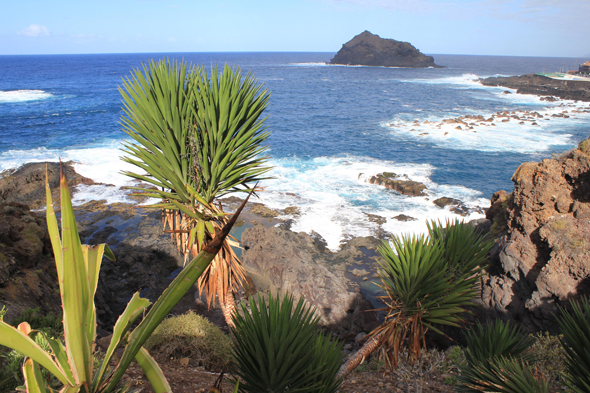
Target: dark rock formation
(371, 50)
(27, 183)
(543, 86)
(405, 187)
(404, 218)
(28, 278)
(278, 259)
(542, 254)
(456, 206)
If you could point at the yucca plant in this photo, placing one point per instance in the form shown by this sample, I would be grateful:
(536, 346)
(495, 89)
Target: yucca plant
(428, 281)
(498, 338)
(498, 359)
(575, 326)
(278, 348)
(196, 138)
(78, 266)
(502, 375)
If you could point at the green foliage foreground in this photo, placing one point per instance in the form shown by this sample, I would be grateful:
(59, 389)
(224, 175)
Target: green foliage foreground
(278, 348)
(575, 326)
(78, 266)
(429, 281)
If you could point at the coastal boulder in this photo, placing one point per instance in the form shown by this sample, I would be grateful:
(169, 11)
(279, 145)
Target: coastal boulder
(371, 50)
(279, 259)
(404, 187)
(27, 183)
(542, 253)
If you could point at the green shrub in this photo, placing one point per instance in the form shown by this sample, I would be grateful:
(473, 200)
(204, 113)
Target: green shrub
(550, 359)
(11, 375)
(497, 360)
(191, 336)
(278, 348)
(50, 323)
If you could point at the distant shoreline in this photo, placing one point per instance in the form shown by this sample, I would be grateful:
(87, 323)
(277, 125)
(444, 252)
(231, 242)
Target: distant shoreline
(543, 86)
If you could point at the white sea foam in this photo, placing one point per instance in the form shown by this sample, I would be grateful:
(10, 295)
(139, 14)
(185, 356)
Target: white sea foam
(529, 134)
(462, 81)
(101, 164)
(310, 64)
(12, 96)
(331, 193)
(334, 198)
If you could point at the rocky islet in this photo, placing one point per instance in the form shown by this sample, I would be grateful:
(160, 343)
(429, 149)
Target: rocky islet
(369, 49)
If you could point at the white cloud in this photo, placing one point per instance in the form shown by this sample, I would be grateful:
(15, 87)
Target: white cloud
(35, 30)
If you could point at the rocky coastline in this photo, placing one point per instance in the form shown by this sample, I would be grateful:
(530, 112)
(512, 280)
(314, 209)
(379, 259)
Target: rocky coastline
(541, 259)
(543, 86)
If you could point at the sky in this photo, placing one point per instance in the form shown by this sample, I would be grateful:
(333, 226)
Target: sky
(556, 28)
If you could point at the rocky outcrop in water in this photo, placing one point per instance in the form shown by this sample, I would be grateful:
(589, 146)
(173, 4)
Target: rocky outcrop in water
(279, 259)
(27, 183)
(542, 256)
(393, 182)
(371, 50)
(543, 86)
(456, 206)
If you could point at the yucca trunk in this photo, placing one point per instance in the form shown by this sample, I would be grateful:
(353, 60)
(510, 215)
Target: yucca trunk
(224, 290)
(367, 349)
(228, 307)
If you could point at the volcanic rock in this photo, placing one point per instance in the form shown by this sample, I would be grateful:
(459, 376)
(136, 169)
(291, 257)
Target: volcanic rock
(28, 278)
(371, 50)
(404, 218)
(27, 183)
(279, 259)
(542, 253)
(405, 187)
(543, 86)
(457, 206)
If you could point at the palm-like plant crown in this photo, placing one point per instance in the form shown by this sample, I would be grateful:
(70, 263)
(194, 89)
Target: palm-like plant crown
(428, 281)
(196, 138)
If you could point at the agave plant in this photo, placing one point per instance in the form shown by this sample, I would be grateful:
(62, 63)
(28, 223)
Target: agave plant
(575, 326)
(278, 348)
(78, 266)
(428, 281)
(498, 359)
(196, 138)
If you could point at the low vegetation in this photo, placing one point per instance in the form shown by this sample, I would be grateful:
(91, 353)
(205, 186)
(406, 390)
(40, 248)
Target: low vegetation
(278, 348)
(429, 281)
(194, 337)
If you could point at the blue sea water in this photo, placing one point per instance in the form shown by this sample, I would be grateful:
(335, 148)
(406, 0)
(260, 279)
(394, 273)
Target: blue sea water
(332, 128)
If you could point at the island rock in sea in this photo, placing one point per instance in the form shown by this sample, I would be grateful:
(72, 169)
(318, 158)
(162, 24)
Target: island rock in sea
(371, 50)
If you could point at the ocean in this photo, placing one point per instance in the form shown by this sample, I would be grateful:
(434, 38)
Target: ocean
(333, 127)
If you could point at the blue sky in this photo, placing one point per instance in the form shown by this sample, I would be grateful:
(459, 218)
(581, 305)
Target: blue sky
(483, 27)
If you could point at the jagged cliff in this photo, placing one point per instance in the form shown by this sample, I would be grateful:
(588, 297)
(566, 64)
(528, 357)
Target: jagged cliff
(371, 50)
(542, 256)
